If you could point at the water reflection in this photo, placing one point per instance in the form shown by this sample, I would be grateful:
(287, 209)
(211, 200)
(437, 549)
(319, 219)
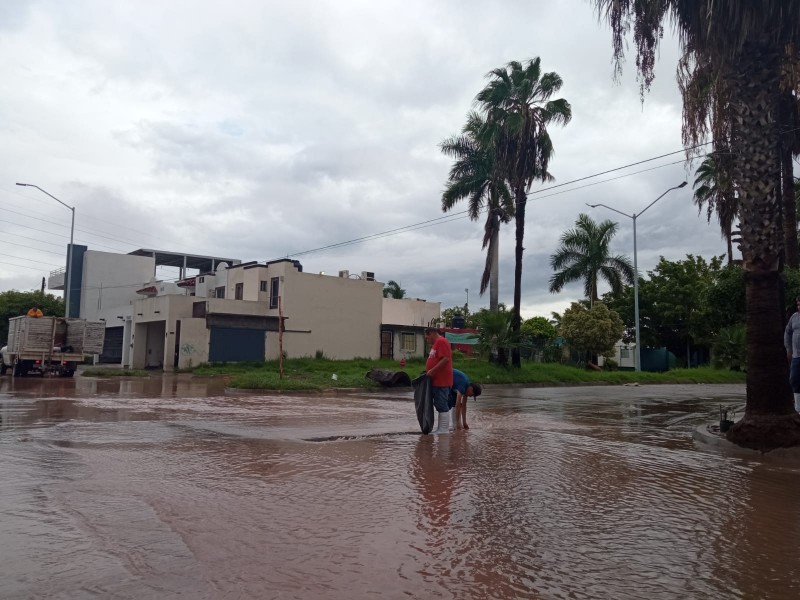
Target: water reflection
(169, 488)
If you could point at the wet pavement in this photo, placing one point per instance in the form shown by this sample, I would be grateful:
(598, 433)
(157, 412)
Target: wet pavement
(169, 488)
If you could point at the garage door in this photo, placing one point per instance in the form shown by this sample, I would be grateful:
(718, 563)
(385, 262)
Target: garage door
(235, 345)
(112, 346)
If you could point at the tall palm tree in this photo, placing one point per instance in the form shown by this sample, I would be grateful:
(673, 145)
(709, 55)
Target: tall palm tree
(745, 44)
(584, 255)
(714, 190)
(392, 289)
(475, 176)
(707, 110)
(518, 108)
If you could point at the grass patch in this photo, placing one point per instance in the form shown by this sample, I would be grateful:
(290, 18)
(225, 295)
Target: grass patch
(105, 372)
(317, 374)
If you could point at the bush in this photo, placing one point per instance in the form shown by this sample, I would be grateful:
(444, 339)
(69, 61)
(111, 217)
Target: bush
(730, 349)
(610, 364)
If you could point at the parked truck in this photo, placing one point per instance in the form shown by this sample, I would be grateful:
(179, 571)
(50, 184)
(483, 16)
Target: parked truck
(54, 345)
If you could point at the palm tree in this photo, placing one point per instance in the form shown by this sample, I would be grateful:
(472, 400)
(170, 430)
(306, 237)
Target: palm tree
(714, 190)
(584, 255)
(474, 176)
(392, 289)
(745, 45)
(496, 335)
(707, 110)
(518, 108)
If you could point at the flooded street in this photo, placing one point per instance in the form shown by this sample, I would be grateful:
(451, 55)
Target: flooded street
(168, 488)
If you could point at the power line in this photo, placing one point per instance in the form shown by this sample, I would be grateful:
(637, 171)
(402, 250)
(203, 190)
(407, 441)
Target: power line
(28, 259)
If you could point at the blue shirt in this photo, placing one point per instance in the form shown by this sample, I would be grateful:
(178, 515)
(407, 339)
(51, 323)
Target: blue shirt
(460, 381)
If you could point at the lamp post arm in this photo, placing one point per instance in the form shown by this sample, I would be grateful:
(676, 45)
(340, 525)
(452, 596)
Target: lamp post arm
(660, 197)
(609, 208)
(48, 193)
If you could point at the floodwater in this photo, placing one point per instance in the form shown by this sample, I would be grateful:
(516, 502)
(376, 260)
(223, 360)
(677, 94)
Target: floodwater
(168, 488)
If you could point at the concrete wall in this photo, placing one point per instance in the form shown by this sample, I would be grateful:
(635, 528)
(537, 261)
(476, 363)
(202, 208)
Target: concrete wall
(159, 309)
(109, 284)
(341, 317)
(397, 345)
(410, 311)
(193, 346)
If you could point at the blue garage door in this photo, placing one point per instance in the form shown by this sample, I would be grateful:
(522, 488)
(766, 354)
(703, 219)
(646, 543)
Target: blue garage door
(233, 345)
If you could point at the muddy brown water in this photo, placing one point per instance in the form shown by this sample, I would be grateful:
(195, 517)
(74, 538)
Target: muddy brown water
(168, 488)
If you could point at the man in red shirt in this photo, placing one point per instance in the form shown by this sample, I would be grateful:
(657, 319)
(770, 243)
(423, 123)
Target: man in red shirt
(439, 367)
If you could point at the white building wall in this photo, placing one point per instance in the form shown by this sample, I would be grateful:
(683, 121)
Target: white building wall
(110, 281)
(410, 311)
(340, 317)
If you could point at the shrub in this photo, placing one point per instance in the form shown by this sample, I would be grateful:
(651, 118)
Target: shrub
(730, 349)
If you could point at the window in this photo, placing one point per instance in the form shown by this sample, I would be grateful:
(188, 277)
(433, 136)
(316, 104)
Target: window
(408, 342)
(220, 291)
(624, 353)
(239, 291)
(263, 286)
(274, 287)
(201, 280)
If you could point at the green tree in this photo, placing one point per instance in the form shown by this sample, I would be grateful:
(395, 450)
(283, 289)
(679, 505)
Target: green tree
(539, 329)
(475, 176)
(745, 44)
(585, 255)
(497, 336)
(470, 321)
(14, 304)
(392, 289)
(518, 108)
(592, 330)
(714, 190)
(674, 297)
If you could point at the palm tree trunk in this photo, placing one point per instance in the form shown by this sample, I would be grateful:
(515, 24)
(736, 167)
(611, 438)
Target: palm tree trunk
(494, 279)
(770, 420)
(787, 133)
(728, 235)
(519, 216)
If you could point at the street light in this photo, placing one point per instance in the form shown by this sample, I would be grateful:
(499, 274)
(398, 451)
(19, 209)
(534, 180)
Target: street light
(69, 250)
(467, 304)
(634, 216)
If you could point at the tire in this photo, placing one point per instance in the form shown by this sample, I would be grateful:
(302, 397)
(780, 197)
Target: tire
(68, 373)
(18, 372)
(3, 366)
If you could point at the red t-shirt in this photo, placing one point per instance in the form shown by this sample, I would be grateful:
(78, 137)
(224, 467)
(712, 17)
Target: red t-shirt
(443, 376)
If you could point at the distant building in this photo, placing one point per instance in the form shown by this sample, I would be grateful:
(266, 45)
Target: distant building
(230, 311)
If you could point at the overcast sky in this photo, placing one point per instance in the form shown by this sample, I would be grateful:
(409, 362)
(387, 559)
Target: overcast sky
(258, 130)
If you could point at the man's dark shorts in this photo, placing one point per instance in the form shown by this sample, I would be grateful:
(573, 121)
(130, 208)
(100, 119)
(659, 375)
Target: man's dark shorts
(441, 398)
(452, 400)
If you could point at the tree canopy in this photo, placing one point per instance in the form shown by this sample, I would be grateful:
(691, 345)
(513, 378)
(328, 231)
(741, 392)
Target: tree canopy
(585, 255)
(14, 304)
(592, 330)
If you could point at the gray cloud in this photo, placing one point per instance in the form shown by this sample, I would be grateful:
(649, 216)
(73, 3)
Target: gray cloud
(274, 129)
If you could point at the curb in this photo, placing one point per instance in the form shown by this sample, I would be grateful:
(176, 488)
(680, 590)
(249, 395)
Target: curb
(709, 435)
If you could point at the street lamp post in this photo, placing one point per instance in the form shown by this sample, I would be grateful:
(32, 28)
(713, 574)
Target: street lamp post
(69, 250)
(467, 304)
(633, 217)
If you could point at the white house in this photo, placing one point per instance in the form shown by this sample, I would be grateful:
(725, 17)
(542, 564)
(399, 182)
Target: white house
(227, 310)
(403, 324)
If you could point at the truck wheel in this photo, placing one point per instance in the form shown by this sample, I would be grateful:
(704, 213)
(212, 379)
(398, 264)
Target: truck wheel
(68, 373)
(18, 372)
(3, 367)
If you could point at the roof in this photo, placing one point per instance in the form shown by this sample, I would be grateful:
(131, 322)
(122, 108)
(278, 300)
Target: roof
(165, 258)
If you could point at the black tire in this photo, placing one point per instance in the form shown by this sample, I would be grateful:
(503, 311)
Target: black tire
(18, 372)
(68, 373)
(3, 366)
